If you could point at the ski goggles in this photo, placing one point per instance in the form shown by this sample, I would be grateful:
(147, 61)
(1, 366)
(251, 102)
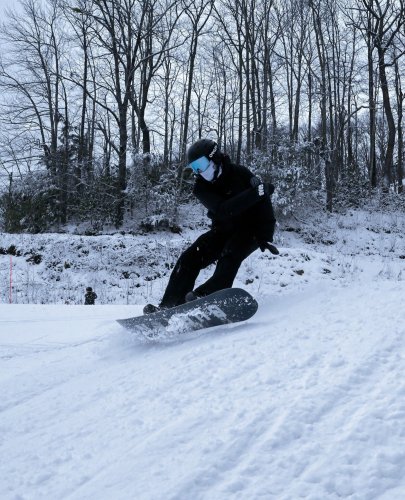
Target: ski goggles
(200, 164)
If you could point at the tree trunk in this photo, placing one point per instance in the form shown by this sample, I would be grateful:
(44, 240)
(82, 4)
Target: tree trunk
(372, 111)
(400, 95)
(122, 166)
(389, 153)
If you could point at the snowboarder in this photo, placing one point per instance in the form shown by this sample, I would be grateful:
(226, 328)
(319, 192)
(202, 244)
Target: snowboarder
(242, 216)
(89, 297)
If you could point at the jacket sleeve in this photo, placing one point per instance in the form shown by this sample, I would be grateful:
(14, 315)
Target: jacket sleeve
(221, 209)
(266, 222)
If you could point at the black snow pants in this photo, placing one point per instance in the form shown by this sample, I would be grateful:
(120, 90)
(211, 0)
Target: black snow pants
(228, 250)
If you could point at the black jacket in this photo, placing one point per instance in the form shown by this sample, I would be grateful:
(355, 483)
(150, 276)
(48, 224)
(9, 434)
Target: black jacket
(234, 205)
(89, 298)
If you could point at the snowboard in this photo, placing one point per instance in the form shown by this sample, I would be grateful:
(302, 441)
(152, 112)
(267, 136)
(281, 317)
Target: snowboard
(230, 305)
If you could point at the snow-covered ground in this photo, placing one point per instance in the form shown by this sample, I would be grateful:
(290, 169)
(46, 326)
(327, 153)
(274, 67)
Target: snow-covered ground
(305, 400)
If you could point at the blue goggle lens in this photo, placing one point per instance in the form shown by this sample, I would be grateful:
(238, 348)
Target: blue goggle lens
(200, 164)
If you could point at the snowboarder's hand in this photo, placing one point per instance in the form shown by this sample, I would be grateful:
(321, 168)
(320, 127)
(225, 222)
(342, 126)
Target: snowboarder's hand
(255, 181)
(263, 188)
(265, 245)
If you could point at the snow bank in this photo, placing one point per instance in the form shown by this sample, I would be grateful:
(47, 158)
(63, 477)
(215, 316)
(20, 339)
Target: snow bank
(134, 269)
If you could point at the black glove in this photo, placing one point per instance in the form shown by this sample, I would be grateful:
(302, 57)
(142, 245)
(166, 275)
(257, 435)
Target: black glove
(255, 181)
(263, 188)
(265, 245)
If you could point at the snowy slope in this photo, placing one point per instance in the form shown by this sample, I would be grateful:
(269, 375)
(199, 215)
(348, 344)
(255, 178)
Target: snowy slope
(306, 400)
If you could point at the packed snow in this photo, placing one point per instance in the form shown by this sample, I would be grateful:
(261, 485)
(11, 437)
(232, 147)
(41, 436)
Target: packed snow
(304, 400)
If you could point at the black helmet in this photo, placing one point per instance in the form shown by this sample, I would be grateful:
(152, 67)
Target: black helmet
(89, 289)
(203, 147)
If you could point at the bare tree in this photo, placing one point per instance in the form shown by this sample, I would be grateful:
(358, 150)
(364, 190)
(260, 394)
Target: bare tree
(400, 100)
(82, 73)
(386, 21)
(32, 70)
(155, 46)
(198, 13)
(230, 17)
(294, 37)
(318, 20)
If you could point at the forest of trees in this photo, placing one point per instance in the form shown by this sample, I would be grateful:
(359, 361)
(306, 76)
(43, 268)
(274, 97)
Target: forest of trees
(100, 99)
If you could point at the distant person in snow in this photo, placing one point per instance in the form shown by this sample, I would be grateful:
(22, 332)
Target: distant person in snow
(89, 297)
(242, 216)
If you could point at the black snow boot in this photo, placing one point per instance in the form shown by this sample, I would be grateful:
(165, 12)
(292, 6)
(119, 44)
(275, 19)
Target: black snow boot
(150, 308)
(190, 296)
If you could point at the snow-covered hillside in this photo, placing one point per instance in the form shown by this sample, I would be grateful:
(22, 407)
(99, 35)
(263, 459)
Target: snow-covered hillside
(134, 268)
(305, 400)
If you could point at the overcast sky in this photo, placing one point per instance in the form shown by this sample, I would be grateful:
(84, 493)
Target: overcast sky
(4, 4)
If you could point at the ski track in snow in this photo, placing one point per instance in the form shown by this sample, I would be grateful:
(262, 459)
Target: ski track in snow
(305, 400)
